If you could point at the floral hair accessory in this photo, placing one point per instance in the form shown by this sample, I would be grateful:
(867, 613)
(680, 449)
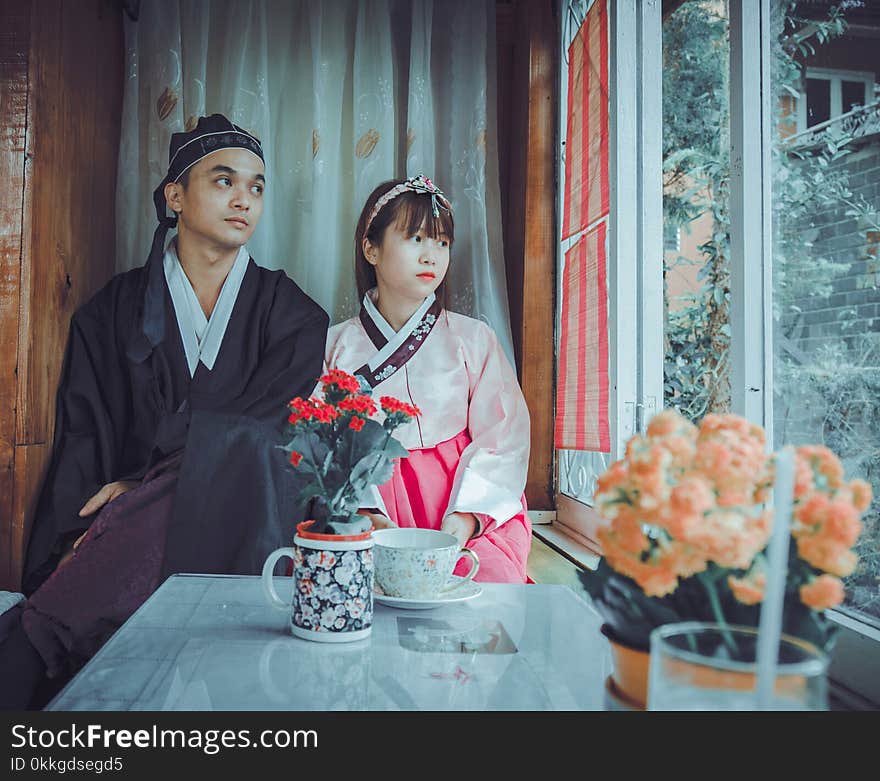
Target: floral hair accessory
(417, 184)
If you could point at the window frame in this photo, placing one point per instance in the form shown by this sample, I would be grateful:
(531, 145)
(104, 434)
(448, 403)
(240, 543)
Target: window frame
(635, 237)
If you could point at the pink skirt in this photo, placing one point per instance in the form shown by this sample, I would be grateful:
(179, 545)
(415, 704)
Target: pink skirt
(417, 495)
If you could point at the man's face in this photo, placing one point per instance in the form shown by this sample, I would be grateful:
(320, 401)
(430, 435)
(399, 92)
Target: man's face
(223, 200)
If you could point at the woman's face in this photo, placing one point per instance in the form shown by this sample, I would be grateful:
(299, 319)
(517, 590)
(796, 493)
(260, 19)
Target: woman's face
(409, 267)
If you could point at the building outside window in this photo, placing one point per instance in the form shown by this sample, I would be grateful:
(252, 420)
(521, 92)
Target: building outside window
(828, 94)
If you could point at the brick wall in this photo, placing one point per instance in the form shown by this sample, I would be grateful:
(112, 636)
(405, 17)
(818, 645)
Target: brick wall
(853, 308)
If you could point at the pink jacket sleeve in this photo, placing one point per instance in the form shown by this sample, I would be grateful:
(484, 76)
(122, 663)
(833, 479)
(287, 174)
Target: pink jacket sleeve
(491, 475)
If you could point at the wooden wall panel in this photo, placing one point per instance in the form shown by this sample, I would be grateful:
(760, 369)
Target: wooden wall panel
(528, 59)
(31, 462)
(41, 212)
(14, 46)
(75, 66)
(56, 272)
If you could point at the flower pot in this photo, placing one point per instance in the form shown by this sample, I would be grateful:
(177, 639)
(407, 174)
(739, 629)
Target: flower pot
(627, 688)
(706, 666)
(332, 585)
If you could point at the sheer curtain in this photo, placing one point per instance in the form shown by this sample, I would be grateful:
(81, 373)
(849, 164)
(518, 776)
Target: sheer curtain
(343, 95)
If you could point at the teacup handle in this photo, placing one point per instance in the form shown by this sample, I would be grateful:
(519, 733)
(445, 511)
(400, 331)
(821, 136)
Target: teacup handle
(475, 566)
(269, 584)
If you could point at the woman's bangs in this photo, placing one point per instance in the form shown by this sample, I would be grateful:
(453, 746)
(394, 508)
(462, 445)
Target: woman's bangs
(416, 211)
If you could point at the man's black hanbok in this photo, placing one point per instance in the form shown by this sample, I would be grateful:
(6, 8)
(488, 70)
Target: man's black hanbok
(215, 493)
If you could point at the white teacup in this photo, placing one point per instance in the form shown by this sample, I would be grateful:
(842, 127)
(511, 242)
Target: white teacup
(418, 563)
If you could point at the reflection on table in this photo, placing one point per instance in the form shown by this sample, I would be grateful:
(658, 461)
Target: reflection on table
(213, 643)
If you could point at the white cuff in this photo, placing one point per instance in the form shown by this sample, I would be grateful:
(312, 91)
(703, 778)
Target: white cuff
(480, 496)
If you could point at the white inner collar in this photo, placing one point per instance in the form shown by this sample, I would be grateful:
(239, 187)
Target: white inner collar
(395, 338)
(202, 337)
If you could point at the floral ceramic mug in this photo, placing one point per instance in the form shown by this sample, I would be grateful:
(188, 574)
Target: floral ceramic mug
(332, 600)
(418, 563)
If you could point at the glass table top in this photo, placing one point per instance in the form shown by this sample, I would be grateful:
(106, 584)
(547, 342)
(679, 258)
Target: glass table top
(214, 643)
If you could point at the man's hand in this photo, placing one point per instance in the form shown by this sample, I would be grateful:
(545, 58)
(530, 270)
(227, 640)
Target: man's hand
(462, 525)
(379, 521)
(72, 549)
(107, 494)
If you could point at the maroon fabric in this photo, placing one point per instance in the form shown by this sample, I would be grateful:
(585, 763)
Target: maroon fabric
(114, 569)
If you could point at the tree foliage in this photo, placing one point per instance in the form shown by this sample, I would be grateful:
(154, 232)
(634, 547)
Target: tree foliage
(696, 179)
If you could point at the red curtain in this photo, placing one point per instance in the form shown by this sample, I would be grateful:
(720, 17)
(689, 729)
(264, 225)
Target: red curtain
(586, 145)
(582, 389)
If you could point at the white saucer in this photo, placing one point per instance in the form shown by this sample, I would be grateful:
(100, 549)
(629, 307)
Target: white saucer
(466, 590)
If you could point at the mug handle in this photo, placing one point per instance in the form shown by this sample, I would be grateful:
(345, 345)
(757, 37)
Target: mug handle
(475, 566)
(268, 583)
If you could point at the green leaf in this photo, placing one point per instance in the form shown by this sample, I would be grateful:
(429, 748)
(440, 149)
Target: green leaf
(373, 469)
(310, 445)
(309, 491)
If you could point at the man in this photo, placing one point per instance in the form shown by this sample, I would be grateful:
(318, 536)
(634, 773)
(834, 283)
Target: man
(170, 406)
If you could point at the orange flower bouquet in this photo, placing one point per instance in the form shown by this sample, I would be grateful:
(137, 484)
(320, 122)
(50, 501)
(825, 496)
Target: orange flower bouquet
(689, 511)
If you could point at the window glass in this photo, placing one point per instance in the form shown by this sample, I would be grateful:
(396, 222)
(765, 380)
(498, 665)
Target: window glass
(852, 95)
(826, 267)
(696, 177)
(671, 237)
(818, 101)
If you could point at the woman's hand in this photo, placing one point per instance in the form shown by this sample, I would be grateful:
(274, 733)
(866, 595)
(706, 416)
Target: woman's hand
(379, 520)
(107, 494)
(462, 525)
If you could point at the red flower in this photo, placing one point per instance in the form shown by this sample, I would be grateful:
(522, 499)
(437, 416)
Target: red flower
(324, 423)
(312, 409)
(390, 405)
(302, 410)
(341, 380)
(324, 412)
(361, 404)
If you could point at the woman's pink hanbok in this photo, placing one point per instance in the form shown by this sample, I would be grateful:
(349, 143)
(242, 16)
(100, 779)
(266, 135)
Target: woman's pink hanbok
(469, 449)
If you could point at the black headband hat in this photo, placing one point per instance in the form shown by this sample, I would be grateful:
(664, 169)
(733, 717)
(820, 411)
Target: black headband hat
(210, 134)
